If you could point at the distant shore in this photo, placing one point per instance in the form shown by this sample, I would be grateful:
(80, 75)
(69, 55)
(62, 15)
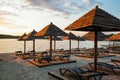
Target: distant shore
(4, 36)
(8, 38)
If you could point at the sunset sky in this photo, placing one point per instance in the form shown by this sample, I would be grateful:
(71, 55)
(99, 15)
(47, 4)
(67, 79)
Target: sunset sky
(20, 16)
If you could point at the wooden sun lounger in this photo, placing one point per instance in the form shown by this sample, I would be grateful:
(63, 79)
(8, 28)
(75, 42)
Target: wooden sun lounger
(65, 56)
(81, 74)
(18, 53)
(62, 56)
(113, 67)
(44, 56)
(116, 60)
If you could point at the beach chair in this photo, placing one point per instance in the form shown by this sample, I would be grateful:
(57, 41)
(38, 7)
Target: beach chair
(29, 54)
(111, 66)
(44, 56)
(82, 74)
(116, 60)
(62, 55)
(65, 56)
(18, 53)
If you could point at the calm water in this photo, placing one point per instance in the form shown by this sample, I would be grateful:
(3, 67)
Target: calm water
(12, 45)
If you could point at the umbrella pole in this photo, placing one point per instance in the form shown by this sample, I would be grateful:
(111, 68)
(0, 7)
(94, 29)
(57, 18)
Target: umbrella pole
(70, 46)
(109, 47)
(78, 44)
(95, 51)
(109, 44)
(33, 47)
(24, 47)
(50, 47)
(54, 44)
(113, 45)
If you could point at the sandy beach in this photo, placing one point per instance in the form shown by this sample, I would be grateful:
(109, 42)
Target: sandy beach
(15, 68)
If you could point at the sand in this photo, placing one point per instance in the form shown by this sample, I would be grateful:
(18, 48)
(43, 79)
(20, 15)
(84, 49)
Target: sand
(15, 68)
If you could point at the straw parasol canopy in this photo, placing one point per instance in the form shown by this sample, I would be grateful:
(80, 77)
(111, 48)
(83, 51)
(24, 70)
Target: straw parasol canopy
(51, 30)
(90, 36)
(21, 39)
(114, 37)
(70, 36)
(80, 38)
(30, 36)
(95, 20)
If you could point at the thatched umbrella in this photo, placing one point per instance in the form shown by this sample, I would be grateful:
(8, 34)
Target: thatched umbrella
(114, 37)
(79, 39)
(70, 36)
(90, 36)
(21, 39)
(30, 36)
(51, 30)
(96, 20)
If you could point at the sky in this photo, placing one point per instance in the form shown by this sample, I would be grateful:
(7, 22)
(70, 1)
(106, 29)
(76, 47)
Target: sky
(22, 16)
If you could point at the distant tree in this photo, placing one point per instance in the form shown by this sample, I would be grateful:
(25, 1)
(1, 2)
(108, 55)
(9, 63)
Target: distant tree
(4, 36)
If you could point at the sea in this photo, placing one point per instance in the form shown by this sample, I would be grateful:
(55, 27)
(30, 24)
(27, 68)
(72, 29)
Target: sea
(12, 45)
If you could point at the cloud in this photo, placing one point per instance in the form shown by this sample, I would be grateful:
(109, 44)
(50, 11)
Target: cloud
(65, 7)
(4, 13)
(62, 6)
(5, 19)
(7, 22)
(92, 2)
